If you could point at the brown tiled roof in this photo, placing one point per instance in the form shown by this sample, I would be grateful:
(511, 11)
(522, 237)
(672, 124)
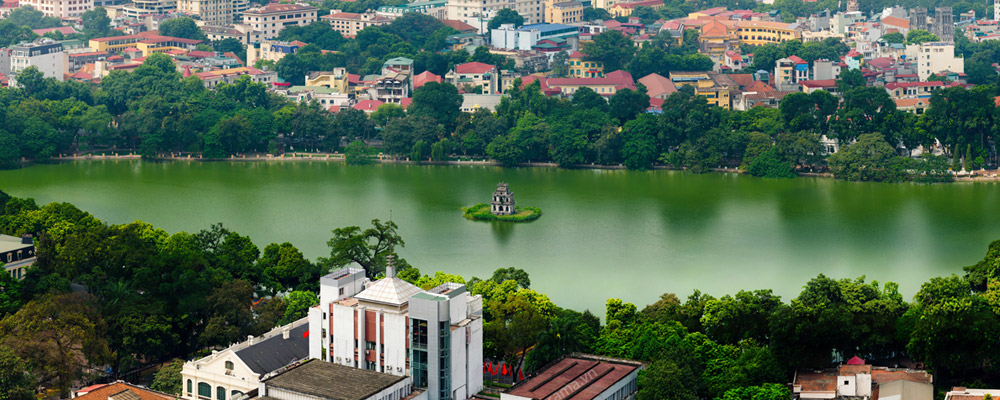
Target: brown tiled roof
(116, 389)
(458, 25)
(880, 375)
(742, 79)
(582, 377)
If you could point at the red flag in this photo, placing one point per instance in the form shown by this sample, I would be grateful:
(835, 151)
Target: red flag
(505, 369)
(305, 334)
(520, 374)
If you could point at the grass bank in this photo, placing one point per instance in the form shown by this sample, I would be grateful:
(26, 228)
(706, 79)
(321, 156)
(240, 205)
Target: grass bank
(481, 212)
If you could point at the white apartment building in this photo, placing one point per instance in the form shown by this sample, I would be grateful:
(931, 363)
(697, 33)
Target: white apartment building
(218, 12)
(71, 9)
(47, 55)
(527, 36)
(935, 57)
(394, 327)
(143, 8)
(274, 17)
(533, 11)
(349, 24)
(239, 369)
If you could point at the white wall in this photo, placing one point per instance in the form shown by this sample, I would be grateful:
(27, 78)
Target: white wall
(213, 371)
(395, 344)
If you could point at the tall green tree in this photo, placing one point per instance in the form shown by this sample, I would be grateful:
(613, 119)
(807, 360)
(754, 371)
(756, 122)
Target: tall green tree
(182, 27)
(612, 48)
(368, 248)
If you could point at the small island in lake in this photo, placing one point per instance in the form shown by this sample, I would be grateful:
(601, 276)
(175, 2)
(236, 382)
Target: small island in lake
(502, 208)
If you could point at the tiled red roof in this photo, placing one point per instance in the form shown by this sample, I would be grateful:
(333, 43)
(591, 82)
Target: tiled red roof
(65, 30)
(581, 378)
(894, 21)
(797, 60)
(200, 54)
(822, 83)
(92, 53)
(427, 76)
(405, 102)
(277, 7)
(368, 105)
(646, 3)
(459, 25)
(103, 393)
(474, 68)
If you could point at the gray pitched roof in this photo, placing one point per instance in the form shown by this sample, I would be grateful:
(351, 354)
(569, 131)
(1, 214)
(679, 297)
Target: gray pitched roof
(325, 380)
(276, 352)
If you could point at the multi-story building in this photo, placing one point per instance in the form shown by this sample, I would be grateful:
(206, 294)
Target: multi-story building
(842, 20)
(237, 370)
(274, 17)
(624, 9)
(349, 24)
(146, 42)
(338, 80)
(763, 32)
(142, 8)
(580, 67)
(46, 55)
(714, 87)
(716, 39)
(935, 57)
(211, 11)
(911, 90)
(211, 79)
(68, 9)
(531, 10)
(239, 32)
(270, 50)
(394, 327)
(563, 12)
(475, 74)
(16, 254)
(605, 86)
(788, 72)
(435, 8)
(527, 36)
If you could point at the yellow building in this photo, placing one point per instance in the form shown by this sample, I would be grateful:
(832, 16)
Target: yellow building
(563, 12)
(579, 67)
(713, 86)
(336, 79)
(764, 32)
(147, 42)
(716, 39)
(625, 9)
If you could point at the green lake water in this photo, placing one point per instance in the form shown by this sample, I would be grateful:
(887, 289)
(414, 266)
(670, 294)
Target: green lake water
(631, 235)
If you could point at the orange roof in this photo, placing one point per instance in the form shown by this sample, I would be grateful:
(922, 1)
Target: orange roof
(474, 68)
(996, 100)
(714, 28)
(459, 25)
(422, 78)
(657, 85)
(105, 392)
(758, 86)
(897, 22)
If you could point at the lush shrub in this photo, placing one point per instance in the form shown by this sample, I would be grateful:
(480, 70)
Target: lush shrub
(771, 164)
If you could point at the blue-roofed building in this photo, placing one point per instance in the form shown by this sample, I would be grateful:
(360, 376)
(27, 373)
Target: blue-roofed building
(527, 36)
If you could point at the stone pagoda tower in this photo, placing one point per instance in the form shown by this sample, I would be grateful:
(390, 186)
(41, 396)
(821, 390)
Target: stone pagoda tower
(503, 201)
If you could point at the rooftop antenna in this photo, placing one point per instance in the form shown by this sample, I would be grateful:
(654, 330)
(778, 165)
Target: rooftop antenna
(390, 260)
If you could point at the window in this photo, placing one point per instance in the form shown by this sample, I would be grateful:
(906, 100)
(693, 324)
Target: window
(220, 393)
(204, 390)
(189, 386)
(229, 365)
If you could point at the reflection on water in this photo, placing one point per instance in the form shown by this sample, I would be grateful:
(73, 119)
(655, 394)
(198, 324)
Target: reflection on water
(630, 235)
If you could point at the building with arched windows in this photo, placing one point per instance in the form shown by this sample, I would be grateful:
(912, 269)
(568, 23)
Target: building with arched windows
(230, 373)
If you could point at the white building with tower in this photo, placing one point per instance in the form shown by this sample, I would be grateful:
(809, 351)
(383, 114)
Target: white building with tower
(391, 326)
